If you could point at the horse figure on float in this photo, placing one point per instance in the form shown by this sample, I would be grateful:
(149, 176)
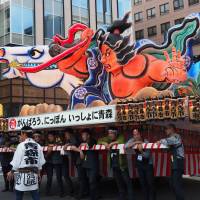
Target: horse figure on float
(121, 70)
(40, 68)
(16, 58)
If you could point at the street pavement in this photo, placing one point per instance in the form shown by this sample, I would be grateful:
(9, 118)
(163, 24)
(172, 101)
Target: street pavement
(108, 190)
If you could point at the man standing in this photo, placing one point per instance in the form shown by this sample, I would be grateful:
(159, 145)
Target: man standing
(54, 160)
(70, 141)
(27, 163)
(118, 163)
(90, 167)
(37, 136)
(144, 164)
(175, 144)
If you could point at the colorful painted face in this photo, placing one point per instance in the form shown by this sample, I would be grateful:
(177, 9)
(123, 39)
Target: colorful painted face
(109, 59)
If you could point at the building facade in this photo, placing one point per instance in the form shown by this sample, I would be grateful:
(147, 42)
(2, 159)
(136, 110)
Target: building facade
(153, 18)
(34, 22)
(31, 22)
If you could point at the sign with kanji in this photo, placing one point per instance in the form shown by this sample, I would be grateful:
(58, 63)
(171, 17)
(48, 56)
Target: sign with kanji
(88, 116)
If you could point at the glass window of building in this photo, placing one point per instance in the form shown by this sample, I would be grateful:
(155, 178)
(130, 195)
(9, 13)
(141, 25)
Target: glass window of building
(138, 17)
(178, 4)
(139, 34)
(104, 12)
(137, 2)
(178, 21)
(164, 9)
(22, 22)
(123, 8)
(152, 31)
(151, 13)
(80, 11)
(53, 19)
(165, 27)
(192, 2)
(5, 22)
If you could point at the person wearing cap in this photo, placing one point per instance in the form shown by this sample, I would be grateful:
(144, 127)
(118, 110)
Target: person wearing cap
(175, 144)
(118, 163)
(27, 163)
(54, 161)
(144, 164)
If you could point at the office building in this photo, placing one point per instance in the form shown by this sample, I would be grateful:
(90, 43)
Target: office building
(153, 18)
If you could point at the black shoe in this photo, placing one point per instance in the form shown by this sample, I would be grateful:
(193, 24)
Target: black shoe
(5, 190)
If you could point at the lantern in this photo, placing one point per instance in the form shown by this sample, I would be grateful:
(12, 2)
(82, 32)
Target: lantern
(154, 109)
(160, 108)
(194, 109)
(148, 109)
(141, 111)
(167, 108)
(181, 108)
(174, 102)
(1, 110)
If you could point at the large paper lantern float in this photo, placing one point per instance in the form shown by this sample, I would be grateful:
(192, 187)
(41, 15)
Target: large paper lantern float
(105, 67)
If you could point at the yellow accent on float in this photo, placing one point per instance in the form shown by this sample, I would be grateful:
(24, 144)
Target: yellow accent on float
(1, 110)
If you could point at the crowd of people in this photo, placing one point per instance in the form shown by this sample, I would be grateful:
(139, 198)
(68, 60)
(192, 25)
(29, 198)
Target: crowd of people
(86, 162)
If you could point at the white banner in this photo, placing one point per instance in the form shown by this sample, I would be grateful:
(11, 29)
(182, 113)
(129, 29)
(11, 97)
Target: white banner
(88, 116)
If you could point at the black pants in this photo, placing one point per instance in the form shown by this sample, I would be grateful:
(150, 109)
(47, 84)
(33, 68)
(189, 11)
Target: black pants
(177, 184)
(65, 172)
(146, 176)
(124, 183)
(49, 171)
(34, 194)
(5, 170)
(88, 182)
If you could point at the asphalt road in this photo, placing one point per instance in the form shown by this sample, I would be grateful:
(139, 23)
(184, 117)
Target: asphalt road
(108, 190)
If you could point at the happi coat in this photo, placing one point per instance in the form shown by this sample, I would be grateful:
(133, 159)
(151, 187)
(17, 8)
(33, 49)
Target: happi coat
(28, 154)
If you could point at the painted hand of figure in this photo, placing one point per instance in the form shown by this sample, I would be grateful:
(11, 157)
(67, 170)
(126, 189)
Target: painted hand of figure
(88, 33)
(176, 71)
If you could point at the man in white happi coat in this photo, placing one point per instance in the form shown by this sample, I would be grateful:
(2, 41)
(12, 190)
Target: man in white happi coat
(27, 163)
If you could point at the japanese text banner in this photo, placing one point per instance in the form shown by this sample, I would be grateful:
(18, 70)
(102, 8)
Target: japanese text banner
(88, 116)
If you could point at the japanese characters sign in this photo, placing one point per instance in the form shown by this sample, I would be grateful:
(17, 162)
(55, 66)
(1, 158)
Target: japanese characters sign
(154, 109)
(95, 115)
